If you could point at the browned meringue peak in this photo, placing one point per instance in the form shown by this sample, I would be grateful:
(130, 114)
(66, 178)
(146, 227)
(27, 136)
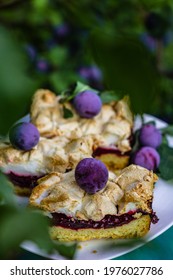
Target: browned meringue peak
(138, 184)
(114, 122)
(60, 193)
(47, 114)
(57, 154)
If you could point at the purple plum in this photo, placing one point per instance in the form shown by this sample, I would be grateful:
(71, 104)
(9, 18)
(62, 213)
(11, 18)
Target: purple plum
(91, 175)
(62, 30)
(87, 104)
(42, 66)
(91, 73)
(150, 136)
(24, 136)
(148, 41)
(146, 157)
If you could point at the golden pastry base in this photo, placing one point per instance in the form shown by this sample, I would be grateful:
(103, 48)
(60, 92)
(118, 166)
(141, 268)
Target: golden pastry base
(134, 229)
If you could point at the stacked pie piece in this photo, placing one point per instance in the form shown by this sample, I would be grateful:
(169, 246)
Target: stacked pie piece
(122, 208)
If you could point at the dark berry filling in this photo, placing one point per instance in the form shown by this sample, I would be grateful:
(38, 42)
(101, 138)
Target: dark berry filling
(108, 221)
(108, 150)
(23, 181)
(154, 218)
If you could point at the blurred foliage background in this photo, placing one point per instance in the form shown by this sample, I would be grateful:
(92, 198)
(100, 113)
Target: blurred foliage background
(125, 46)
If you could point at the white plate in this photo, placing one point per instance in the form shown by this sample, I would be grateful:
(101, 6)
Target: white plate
(108, 249)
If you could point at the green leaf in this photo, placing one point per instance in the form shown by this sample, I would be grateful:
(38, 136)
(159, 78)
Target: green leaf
(18, 226)
(17, 87)
(166, 162)
(82, 87)
(6, 191)
(27, 225)
(40, 4)
(57, 56)
(58, 82)
(167, 130)
(54, 17)
(61, 80)
(164, 139)
(67, 113)
(109, 96)
(71, 92)
(67, 250)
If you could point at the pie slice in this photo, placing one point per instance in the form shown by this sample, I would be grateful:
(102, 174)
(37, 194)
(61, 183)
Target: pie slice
(113, 125)
(24, 168)
(122, 209)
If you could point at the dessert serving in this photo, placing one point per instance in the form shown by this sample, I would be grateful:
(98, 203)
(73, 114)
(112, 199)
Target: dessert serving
(73, 159)
(121, 209)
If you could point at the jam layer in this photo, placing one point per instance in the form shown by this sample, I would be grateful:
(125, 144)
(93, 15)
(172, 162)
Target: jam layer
(23, 181)
(108, 221)
(108, 150)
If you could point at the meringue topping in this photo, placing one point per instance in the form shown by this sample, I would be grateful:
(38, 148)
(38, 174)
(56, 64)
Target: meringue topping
(114, 122)
(57, 154)
(131, 190)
